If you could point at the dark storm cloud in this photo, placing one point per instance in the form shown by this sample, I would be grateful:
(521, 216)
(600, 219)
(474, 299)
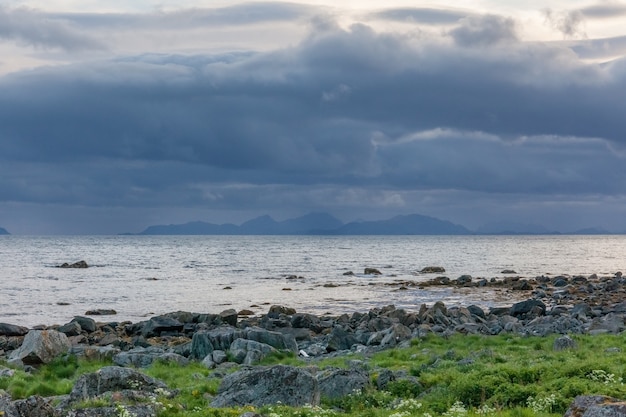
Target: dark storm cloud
(353, 115)
(33, 28)
(422, 15)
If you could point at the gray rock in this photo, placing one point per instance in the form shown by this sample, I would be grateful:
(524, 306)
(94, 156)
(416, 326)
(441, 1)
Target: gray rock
(390, 337)
(86, 323)
(464, 279)
(372, 271)
(596, 406)
(277, 340)
(144, 357)
(528, 309)
(110, 379)
(70, 329)
(41, 346)
(610, 323)
(219, 356)
(160, 324)
(277, 310)
(340, 339)
(201, 345)
(79, 265)
(34, 406)
(260, 386)
(477, 311)
(208, 362)
(433, 270)
(564, 343)
(101, 312)
(96, 353)
(338, 383)
(12, 330)
(248, 352)
(229, 316)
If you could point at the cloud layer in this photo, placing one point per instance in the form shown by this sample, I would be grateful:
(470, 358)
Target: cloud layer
(349, 119)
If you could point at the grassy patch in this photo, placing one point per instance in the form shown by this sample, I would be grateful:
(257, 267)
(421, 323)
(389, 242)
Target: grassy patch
(459, 376)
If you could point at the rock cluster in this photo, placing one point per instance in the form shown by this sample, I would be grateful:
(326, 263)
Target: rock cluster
(561, 305)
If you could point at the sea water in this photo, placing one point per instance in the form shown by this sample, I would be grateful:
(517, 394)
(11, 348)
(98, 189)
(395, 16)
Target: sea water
(143, 276)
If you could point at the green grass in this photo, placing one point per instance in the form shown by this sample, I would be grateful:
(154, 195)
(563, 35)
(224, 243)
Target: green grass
(506, 375)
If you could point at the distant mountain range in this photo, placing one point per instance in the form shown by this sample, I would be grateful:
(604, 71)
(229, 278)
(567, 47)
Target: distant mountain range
(316, 224)
(3, 231)
(326, 224)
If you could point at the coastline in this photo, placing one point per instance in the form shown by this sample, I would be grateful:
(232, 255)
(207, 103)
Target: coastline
(561, 307)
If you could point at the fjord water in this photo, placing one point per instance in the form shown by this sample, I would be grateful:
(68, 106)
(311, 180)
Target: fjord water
(142, 276)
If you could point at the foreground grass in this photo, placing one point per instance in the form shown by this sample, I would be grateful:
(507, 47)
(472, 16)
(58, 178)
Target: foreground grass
(459, 376)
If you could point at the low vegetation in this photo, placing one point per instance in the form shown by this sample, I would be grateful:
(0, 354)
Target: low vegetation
(459, 376)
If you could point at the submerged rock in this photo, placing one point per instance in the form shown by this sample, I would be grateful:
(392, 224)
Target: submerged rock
(433, 270)
(79, 264)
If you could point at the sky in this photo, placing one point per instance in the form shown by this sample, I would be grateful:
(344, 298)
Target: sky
(118, 115)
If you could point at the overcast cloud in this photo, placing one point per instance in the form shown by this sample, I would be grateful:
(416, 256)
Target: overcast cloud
(110, 122)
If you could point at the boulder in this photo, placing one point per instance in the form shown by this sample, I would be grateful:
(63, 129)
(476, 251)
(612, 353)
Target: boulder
(144, 357)
(564, 343)
(41, 346)
(201, 345)
(86, 323)
(12, 330)
(280, 341)
(248, 352)
(372, 271)
(340, 339)
(161, 324)
(111, 379)
(528, 309)
(610, 323)
(34, 406)
(277, 310)
(390, 337)
(70, 329)
(596, 406)
(261, 386)
(204, 342)
(229, 316)
(338, 383)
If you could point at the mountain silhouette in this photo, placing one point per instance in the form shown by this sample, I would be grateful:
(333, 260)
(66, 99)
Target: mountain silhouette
(3, 231)
(316, 224)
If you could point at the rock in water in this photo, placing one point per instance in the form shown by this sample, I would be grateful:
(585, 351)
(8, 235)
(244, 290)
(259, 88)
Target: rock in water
(41, 346)
(79, 264)
(282, 384)
(433, 270)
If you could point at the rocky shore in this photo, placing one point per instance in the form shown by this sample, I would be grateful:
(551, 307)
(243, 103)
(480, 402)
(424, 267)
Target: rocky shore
(553, 305)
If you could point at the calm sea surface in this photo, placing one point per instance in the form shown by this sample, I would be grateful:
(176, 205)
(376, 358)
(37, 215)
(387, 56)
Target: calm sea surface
(141, 276)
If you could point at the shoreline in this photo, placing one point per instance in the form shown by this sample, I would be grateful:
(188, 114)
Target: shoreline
(222, 342)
